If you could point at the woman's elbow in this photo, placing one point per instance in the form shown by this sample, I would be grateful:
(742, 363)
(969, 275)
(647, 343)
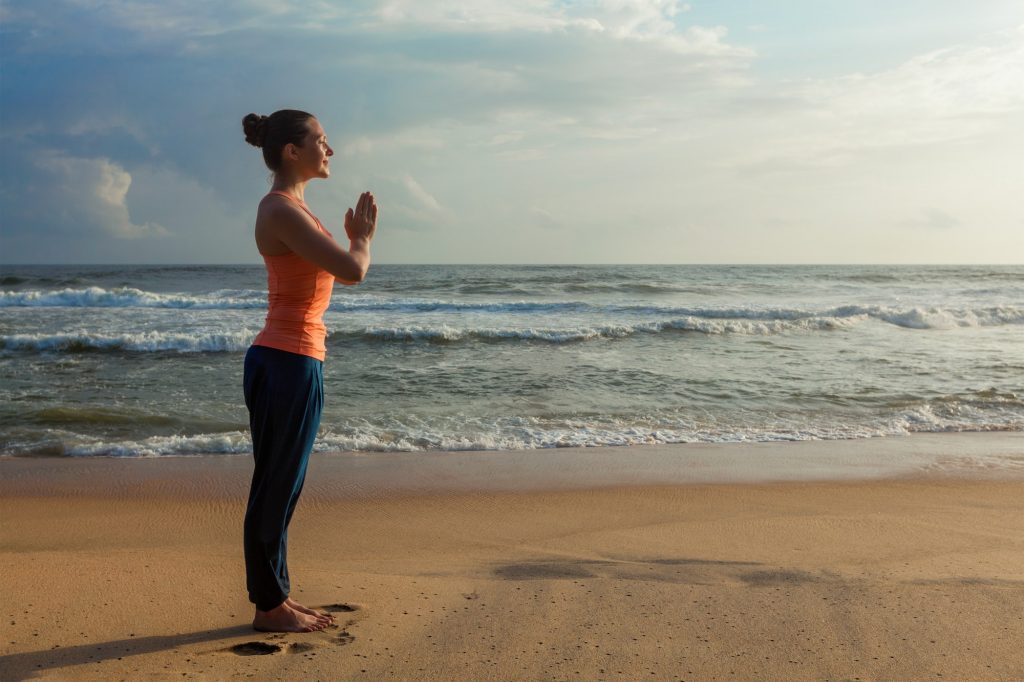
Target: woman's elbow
(351, 277)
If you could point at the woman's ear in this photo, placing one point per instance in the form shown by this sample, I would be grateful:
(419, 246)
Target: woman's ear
(290, 151)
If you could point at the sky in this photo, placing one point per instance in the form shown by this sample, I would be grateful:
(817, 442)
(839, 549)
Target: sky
(607, 131)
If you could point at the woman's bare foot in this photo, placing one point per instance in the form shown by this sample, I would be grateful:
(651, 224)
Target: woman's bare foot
(326, 617)
(284, 618)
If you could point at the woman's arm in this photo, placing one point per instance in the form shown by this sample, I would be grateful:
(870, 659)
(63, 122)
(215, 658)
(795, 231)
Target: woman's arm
(295, 230)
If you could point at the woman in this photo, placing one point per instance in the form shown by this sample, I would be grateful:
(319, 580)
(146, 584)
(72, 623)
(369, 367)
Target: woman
(283, 380)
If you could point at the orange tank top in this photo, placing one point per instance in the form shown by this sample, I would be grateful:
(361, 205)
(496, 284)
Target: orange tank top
(298, 294)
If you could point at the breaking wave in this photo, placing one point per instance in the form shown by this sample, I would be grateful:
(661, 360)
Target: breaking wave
(410, 433)
(917, 317)
(142, 342)
(128, 297)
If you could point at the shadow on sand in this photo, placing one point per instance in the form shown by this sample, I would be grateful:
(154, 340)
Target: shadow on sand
(20, 666)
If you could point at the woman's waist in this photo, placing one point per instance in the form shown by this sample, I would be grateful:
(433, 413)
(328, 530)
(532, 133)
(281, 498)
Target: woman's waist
(281, 307)
(297, 337)
(285, 319)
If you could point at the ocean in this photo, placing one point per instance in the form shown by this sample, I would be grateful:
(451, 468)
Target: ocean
(147, 360)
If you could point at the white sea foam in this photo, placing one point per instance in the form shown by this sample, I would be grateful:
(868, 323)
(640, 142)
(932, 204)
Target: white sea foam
(527, 433)
(934, 317)
(703, 318)
(448, 333)
(128, 297)
(141, 342)
(912, 318)
(234, 341)
(518, 433)
(412, 434)
(234, 442)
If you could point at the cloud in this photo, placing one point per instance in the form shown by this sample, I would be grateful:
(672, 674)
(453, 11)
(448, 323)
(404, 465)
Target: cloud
(415, 138)
(929, 96)
(421, 195)
(469, 120)
(188, 25)
(142, 25)
(506, 137)
(89, 194)
(486, 15)
(652, 21)
(949, 95)
(540, 217)
(396, 69)
(935, 219)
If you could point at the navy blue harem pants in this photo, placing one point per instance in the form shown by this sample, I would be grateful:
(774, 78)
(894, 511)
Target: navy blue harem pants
(284, 393)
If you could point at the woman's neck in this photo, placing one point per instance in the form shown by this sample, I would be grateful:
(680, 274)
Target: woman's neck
(293, 187)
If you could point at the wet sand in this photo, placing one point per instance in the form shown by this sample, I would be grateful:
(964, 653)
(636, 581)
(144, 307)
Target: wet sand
(671, 563)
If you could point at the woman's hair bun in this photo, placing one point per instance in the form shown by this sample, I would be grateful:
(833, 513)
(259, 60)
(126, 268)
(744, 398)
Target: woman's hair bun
(255, 128)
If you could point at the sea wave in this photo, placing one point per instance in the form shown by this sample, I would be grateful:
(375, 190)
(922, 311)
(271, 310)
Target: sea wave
(665, 317)
(142, 342)
(227, 443)
(451, 334)
(128, 297)
(410, 433)
(767, 324)
(935, 317)
(703, 321)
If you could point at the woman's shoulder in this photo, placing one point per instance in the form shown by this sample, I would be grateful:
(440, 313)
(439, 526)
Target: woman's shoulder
(275, 208)
(273, 201)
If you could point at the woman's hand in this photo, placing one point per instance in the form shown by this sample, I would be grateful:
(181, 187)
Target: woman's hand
(362, 222)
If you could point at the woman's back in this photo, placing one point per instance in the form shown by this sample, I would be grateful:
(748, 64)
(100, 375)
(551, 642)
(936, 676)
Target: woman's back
(299, 292)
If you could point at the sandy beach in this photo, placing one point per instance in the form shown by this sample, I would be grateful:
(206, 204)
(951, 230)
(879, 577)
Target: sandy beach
(766, 562)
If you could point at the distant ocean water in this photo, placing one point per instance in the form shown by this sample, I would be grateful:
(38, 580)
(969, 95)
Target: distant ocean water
(147, 360)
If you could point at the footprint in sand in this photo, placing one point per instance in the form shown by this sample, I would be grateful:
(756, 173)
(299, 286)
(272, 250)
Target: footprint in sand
(255, 649)
(344, 637)
(267, 648)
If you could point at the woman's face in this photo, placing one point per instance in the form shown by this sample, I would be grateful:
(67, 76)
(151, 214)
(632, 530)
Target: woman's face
(314, 153)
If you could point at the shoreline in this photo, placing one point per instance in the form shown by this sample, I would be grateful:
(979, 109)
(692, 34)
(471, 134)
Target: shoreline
(966, 455)
(516, 566)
